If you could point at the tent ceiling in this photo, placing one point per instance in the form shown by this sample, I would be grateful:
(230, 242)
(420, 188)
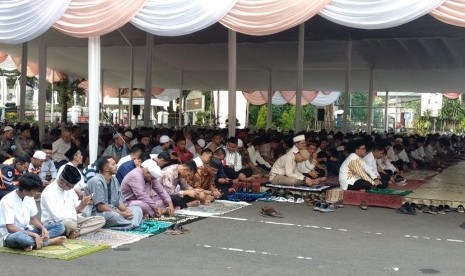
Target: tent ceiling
(423, 55)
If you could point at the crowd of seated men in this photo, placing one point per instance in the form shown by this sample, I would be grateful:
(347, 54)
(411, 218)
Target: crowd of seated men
(146, 172)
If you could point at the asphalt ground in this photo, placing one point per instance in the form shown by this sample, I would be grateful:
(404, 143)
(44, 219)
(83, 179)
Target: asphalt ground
(348, 241)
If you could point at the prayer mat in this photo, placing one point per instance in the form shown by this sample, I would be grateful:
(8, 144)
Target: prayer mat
(247, 197)
(411, 185)
(314, 188)
(380, 200)
(112, 238)
(446, 188)
(149, 228)
(177, 219)
(389, 192)
(216, 208)
(71, 249)
(420, 174)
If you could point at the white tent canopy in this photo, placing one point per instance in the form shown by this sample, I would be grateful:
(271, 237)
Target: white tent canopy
(424, 55)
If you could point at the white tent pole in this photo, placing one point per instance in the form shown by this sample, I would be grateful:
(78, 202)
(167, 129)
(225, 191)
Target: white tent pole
(102, 96)
(347, 86)
(269, 104)
(300, 77)
(370, 103)
(120, 108)
(52, 98)
(232, 78)
(148, 78)
(131, 84)
(42, 88)
(22, 93)
(94, 86)
(217, 120)
(180, 107)
(386, 105)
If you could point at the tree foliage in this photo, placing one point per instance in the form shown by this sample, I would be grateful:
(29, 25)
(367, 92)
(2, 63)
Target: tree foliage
(65, 89)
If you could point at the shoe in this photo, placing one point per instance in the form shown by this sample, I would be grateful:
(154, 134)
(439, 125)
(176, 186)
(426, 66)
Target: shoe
(326, 207)
(317, 206)
(363, 205)
(440, 209)
(447, 208)
(267, 211)
(291, 199)
(281, 199)
(299, 200)
(339, 204)
(460, 209)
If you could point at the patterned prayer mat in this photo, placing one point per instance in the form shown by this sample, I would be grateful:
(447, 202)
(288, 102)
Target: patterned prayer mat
(314, 188)
(446, 188)
(177, 219)
(380, 200)
(71, 249)
(216, 208)
(112, 238)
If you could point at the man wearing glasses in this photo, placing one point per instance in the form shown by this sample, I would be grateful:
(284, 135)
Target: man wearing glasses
(59, 203)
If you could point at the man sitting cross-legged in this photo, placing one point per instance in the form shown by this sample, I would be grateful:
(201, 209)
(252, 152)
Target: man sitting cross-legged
(59, 202)
(107, 199)
(18, 224)
(285, 171)
(354, 173)
(140, 187)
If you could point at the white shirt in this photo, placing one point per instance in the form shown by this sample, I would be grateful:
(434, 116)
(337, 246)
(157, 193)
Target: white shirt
(57, 204)
(17, 211)
(198, 162)
(255, 156)
(370, 166)
(233, 158)
(286, 166)
(306, 166)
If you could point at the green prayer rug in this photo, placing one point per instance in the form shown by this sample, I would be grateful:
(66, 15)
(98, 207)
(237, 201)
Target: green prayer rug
(71, 249)
(389, 192)
(150, 228)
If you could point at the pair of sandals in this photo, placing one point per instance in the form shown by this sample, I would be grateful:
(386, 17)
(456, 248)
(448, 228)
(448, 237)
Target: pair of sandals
(176, 229)
(268, 211)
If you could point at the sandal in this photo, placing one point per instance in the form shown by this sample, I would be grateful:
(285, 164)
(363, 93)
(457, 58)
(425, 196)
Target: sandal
(299, 200)
(339, 204)
(363, 205)
(268, 211)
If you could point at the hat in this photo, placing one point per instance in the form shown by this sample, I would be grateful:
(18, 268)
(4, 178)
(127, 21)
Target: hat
(71, 152)
(40, 155)
(298, 138)
(240, 144)
(116, 135)
(153, 168)
(201, 143)
(329, 136)
(7, 128)
(128, 134)
(164, 139)
(305, 154)
(398, 139)
(71, 174)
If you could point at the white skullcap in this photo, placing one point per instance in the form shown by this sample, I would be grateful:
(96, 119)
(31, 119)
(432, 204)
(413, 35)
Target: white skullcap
(40, 155)
(299, 138)
(201, 143)
(164, 139)
(153, 168)
(128, 134)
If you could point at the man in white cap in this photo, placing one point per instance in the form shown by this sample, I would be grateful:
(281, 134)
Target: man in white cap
(59, 203)
(164, 145)
(141, 188)
(36, 164)
(7, 144)
(197, 148)
(285, 171)
(107, 199)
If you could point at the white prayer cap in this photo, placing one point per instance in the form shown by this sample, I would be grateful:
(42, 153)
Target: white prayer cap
(329, 136)
(201, 143)
(40, 155)
(7, 128)
(164, 139)
(153, 168)
(299, 138)
(128, 134)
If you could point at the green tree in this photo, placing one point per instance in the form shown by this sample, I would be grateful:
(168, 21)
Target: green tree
(261, 118)
(287, 120)
(451, 113)
(65, 89)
